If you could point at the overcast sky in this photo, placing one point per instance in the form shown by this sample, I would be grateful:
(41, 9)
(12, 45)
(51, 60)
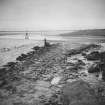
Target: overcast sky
(51, 14)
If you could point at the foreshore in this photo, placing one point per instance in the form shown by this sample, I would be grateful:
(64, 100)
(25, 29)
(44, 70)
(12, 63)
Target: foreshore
(40, 76)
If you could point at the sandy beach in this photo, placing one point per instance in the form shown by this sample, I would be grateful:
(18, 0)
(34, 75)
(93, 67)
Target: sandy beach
(40, 75)
(10, 48)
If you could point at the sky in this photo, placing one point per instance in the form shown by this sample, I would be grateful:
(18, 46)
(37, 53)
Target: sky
(51, 14)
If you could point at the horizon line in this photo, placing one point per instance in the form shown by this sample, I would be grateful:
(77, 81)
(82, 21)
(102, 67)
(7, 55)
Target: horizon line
(49, 30)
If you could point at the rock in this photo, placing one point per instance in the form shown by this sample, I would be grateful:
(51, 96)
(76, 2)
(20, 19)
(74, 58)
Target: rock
(42, 89)
(56, 80)
(36, 48)
(83, 74)
(4, 93)
(95, 55)
(1, 82)
(43, 84)
(103, 75)
(80, 62)
(69, 67)
(94, 68)
(21, 57)
(47, 77)
(71, 80)
(78, 93)
(70, 60)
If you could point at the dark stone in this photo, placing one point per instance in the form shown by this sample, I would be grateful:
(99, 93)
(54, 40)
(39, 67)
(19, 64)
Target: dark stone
(36, 48)
(103, 75)
(21, 57)
(94, 68)
(95, 55)
(102, 56)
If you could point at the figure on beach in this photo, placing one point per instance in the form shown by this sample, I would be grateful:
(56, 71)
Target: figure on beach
(46, 44)
(26, 35)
